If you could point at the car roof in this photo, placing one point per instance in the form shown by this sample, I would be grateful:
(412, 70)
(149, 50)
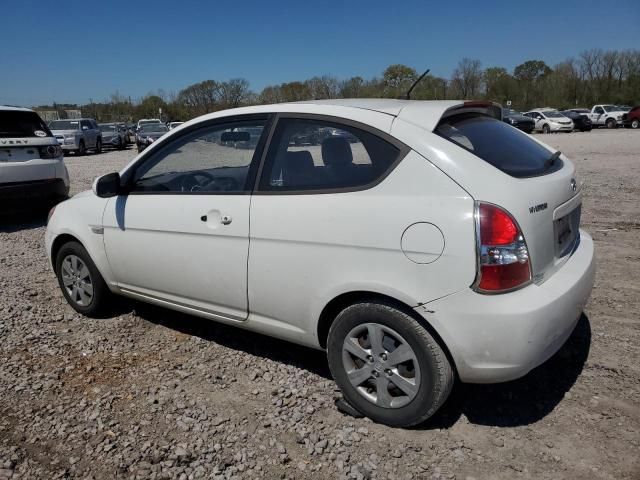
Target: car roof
(423, 113)
(10, 108)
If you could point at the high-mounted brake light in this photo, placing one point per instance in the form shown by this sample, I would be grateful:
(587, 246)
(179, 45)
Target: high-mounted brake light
(503, 257)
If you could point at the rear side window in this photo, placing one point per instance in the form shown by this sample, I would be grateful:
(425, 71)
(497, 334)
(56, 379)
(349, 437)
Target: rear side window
(316, 155)
(17, 124)
(499, 144)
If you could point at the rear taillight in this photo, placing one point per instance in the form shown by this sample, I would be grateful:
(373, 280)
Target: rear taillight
(503, 257)
(50, 151)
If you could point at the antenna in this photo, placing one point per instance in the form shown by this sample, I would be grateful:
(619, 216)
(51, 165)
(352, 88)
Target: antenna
(408, 95)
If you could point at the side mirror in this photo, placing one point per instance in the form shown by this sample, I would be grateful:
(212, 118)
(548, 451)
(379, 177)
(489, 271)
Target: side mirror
(107, 185)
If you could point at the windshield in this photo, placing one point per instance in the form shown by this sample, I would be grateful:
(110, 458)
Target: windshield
(64, 125)
(153, 127)
(107, 127)
(553, 115)
(19, 124)
(148, 122)
(498, 144)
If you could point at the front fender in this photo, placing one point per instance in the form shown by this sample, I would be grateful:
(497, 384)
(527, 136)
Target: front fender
(81, 218)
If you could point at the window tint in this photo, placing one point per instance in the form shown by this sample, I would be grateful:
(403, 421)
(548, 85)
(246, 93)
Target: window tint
(498, 144)
(213, 160)
(85, 124)
(18, 124)
(318, 155)
(599, 110)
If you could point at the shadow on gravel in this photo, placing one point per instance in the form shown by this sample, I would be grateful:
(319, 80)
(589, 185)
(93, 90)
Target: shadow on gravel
(15, 220)
(256, 344)
(523, 401)
(520, 402)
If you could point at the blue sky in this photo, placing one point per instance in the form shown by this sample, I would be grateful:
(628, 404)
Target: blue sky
(73, 51)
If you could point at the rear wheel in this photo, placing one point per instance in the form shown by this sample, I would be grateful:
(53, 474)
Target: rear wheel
(80, 281)
(387, 365)
(99, 145)
(546, 128)
(635, 123)
(610, 123)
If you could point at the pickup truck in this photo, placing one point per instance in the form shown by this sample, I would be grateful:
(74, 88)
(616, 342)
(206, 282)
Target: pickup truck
(609, 116)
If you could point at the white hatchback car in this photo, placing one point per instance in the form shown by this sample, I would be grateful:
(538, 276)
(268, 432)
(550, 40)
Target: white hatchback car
(549, 120)
(414, 241)
(31, 160)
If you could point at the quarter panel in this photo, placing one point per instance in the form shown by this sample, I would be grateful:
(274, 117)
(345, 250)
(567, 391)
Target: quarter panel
(307, 249)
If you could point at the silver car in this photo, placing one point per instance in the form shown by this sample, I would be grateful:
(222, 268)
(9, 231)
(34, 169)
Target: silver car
(113, 135)
(77, 135)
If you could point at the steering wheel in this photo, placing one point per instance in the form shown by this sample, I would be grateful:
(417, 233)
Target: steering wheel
(190, 181)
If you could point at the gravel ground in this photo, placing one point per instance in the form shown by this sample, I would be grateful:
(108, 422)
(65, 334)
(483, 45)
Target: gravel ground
(155, 394)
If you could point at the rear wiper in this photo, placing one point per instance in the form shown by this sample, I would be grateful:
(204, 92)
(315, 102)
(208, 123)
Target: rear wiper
(552, 159)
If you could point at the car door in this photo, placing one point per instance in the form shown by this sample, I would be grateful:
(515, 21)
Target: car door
(181, 235)
(598, 116)
(88, 133)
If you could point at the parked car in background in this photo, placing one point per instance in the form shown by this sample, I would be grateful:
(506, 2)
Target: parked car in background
(146, 121)
(113, 135)
(609, 116)
(582, 111)
(31, 160)
(429, 242)
(580, 121)
(518, 120)
(172, 125)
(149, 133)
(131, 133)
(549, 120)
(632, 118)
(77, 135)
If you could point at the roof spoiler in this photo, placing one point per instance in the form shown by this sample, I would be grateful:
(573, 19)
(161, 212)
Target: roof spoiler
(490, 109)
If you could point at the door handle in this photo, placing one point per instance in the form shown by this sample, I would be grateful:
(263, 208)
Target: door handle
(226, 219)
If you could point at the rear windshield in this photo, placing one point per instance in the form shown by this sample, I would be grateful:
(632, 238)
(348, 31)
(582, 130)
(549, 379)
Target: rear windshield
(499, 144)
(17, 124)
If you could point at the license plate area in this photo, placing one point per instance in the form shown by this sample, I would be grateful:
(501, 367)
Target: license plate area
(565, 231)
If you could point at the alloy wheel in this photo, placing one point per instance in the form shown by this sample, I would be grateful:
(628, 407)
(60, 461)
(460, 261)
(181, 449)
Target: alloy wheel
(381, 365)
(77, 281)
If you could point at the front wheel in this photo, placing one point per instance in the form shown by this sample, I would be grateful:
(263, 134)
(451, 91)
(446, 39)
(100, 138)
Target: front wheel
(82, 149)
(99, 146)
(546, 128)
(387, 365)
(80, 281)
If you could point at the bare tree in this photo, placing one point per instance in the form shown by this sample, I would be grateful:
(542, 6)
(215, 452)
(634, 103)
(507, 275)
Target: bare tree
(467, 78)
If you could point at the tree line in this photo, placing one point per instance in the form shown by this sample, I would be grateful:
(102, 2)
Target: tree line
(594, 76)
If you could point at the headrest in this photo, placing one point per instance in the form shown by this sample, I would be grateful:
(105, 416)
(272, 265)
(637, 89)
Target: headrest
(336, 151)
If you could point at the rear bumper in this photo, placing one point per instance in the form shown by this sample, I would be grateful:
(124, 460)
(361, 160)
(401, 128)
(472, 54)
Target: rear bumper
(496, 338)
(34, 190)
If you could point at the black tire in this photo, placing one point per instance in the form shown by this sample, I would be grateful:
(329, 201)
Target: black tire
(635, 123)
(121, 144)
(82, 149)
(546, 128)
(436, 373)
(610, 123)
(98, 148)
(101, 296)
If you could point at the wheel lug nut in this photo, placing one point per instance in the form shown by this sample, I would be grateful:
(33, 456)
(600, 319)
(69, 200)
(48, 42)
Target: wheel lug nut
(388, 372)
(369, 359)
(375, 374)
(383, 357)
